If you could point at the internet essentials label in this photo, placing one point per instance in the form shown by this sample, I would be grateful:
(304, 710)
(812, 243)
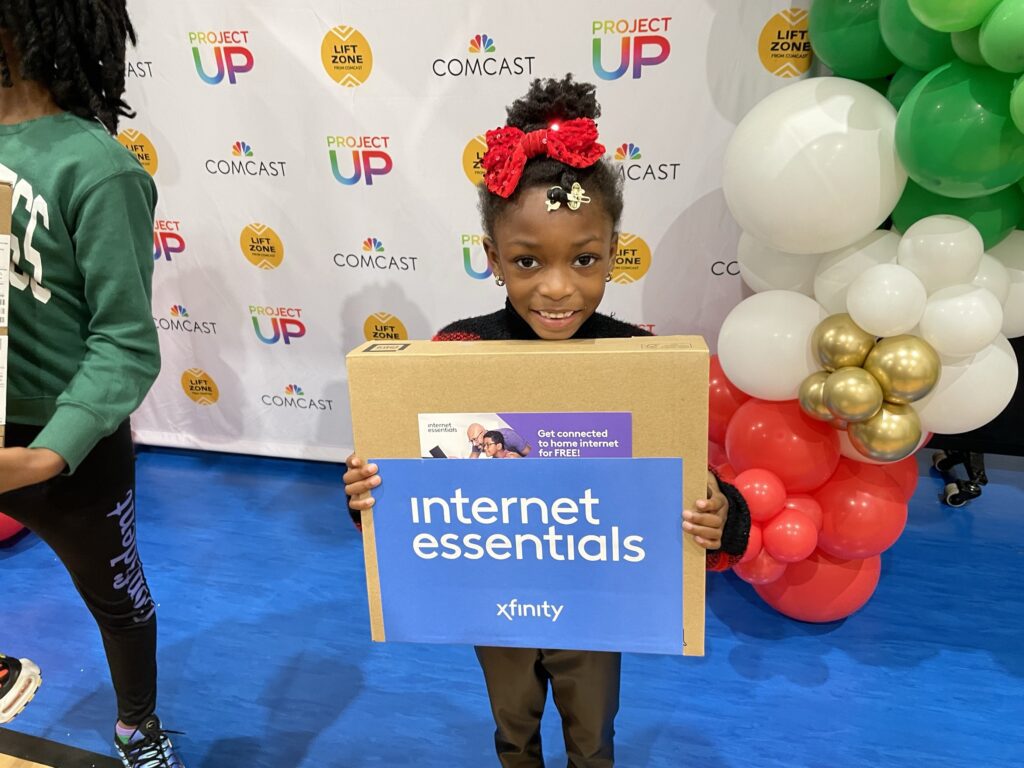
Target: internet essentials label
(574, 553)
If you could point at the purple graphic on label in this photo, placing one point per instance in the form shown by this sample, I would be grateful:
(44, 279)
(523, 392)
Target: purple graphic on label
(570, 435)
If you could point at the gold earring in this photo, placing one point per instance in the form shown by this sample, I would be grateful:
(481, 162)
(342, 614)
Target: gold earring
(499, 281)
(608, 277)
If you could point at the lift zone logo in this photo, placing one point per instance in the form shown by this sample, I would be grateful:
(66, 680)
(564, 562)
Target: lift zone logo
(551, 553)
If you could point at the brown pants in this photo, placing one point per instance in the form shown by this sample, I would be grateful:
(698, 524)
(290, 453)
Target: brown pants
(585, 687)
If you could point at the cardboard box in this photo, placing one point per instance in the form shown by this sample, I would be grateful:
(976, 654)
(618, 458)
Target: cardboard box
(6, 199)
(661, 381)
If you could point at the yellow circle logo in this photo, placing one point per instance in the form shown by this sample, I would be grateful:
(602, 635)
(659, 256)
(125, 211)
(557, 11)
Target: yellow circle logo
(200, 386)
(472, 159)
(139, 145)
(346, 56)
(632, 259)
(382, 326)
(785, 45)
(262, 246)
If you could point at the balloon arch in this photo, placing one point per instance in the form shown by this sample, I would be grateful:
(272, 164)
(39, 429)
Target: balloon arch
(881, 210)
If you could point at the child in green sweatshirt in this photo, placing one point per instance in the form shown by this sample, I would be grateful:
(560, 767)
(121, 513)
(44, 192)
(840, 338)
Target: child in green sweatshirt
(83, 349)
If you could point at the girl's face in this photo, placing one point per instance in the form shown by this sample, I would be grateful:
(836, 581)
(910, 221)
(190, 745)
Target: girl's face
(554, 264)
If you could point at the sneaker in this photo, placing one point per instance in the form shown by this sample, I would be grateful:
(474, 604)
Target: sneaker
(19, 679)
(149, 747)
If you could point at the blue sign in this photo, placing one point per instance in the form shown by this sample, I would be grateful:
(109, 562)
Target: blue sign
(584, 554)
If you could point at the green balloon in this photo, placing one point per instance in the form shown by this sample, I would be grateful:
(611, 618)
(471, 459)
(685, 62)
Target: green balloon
(954, 134)
(952, 15)
(1002, 37)
(994, 216)
(846, 37)
(880, 84)
(1017, 107)
(902, 83)
(911, 41)
(967, 46)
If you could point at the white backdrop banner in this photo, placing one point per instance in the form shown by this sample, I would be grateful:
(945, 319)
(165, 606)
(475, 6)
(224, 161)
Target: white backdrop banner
(316, 164)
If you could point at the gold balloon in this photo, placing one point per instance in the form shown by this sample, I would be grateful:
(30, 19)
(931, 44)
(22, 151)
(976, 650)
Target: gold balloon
(852, 394)
(891, 435)
(906, 366)
(810, 396)
(838, 342)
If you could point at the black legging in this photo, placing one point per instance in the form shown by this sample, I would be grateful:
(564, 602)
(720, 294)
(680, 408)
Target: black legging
(88, 519)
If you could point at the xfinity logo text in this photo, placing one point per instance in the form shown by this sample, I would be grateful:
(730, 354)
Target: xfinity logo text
(513, 610)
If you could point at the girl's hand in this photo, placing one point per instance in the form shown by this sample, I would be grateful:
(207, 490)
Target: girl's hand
(707, 522)
(360, 480)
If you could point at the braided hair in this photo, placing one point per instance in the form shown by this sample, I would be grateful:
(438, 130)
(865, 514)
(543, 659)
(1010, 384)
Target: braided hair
(547, 101)
(76, 49)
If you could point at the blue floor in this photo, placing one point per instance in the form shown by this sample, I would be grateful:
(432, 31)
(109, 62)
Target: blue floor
(266, 659)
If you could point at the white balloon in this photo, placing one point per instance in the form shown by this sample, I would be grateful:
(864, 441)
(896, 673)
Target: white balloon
(1010, 253)
(993, 276)
(886, 300)
(961, 320)
(837, 269)
(813, 166)
(764, 268)
(972, 392)
(764, 345)
(942, 251)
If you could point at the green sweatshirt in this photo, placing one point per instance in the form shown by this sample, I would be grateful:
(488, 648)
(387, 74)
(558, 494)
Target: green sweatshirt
(83, 347)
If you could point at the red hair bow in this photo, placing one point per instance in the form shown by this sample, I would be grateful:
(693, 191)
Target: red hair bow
(573, 142)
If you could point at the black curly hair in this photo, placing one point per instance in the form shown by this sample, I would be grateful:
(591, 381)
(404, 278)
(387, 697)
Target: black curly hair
(76, 49)
(550, 100)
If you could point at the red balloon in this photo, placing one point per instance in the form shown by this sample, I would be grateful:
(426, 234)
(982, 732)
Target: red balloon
(780, 438)
(899, 477)
(753, 544)
(763, 569)
(727, 472)
(860, 519)
(822, 588)
(724, 398)
(716, 455)
(763, 491)
(790, 536)
(8, 527)
(807, 505)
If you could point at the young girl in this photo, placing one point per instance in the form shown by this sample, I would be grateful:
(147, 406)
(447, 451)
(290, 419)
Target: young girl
(551, 208)
(83, 348)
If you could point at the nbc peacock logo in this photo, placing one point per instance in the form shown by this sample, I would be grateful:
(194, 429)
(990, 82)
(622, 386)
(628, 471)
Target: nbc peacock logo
(178, 310)
(473, 159)
(374, 257)
(247, 163)
(481, 44)
(629, 151)
(262, 246)
(481, 62)
(383, 326)
(139, 145)
(200, 386)
(632, 259)
(346, 56)
(295, 398)
(784, 45)
(633, 166)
